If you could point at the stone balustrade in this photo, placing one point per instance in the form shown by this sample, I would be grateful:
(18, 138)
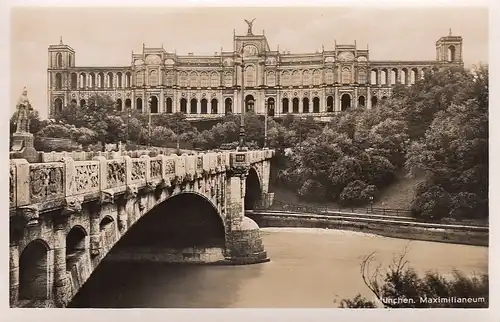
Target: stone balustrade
(48, 184)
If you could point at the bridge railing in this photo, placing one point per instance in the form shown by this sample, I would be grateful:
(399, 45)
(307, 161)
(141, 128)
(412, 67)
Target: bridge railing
(286, 206)
(49, 182)
(401, 214)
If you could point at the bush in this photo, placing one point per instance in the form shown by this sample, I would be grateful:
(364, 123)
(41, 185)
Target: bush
(357, 193)
(433, 204)
(400, 281)
(312, 190)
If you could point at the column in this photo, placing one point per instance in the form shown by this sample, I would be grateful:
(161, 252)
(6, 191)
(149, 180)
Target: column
(355, 100)
(161, 103)
(62, 290)
(336, 100)
(13, 273)
(368, 98)
(95, 233)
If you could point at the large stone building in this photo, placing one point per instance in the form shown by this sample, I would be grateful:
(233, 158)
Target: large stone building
(204, 86)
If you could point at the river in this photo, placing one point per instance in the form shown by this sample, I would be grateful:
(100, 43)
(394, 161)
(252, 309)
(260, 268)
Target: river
(309, 268)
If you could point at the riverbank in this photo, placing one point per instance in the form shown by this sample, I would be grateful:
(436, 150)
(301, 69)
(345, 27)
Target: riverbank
(453, 234)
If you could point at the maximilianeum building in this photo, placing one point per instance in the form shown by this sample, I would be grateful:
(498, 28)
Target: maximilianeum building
(317, 84)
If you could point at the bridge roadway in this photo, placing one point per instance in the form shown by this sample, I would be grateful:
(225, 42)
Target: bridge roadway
(67, 214)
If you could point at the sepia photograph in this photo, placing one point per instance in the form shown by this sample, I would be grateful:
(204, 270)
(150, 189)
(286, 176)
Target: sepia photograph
(249, 157)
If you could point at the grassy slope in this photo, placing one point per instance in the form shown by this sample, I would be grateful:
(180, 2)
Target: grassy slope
(399, 195)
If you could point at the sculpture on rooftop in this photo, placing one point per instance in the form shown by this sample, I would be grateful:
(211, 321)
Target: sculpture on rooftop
(250, 24)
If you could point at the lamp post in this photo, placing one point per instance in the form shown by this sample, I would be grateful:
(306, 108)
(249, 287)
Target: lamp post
(265, 124)
(149, 121)
(241, 146)
(371, 204)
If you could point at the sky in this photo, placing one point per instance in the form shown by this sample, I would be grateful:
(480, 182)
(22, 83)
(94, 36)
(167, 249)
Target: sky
(107, 36)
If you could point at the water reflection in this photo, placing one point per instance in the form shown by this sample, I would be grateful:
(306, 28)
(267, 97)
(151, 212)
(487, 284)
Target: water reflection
(309, 268)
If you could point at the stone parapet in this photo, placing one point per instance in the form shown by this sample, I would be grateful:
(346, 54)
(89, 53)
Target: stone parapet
(49, 184)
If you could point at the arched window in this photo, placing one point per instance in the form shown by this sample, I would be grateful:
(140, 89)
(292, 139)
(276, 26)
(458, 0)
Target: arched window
(286, 79)
(286, 108)
(306, 78)
(228, 106)
(374, 78)
(394, 76)
(128, 79)
(119, 105)
(83, 80)
(74, 80)
(183, 79)
(362, 76)
(361, 101)
(153, 101)
(383, 77)
(59, 60)
(193, 80)
(204, 80)
(305, 105)
(138, 104)
(110, 80)
(169, 78)
(92, 80)
(413, 75)
(346, 75)
(451, 53)
(316, 105)
(168, 104)
(58, 81)
(296, 79)
(128, 103)
(119, 82)
(139, 78)
(330, 105)
(213, 106)
(316, 77)
(214, 80)
(58, 103)
(404, 76)
(100, 78)
(295, 105)
(271, 78)
(250, 76)
(194, 106)
(204, 106)
(153, 78)
(228, 79)
(329, 76)
(183, 105)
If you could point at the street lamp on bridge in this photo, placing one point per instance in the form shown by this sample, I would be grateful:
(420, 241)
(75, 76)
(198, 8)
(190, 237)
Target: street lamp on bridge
(150, 100)
(241, 145)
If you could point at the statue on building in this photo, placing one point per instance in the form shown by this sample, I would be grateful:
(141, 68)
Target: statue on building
(23, 108)
(250, 24)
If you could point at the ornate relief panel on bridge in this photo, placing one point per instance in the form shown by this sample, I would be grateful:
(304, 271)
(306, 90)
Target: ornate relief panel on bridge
(46, 181)
(86, 177)
(345, 56)
(116, 173)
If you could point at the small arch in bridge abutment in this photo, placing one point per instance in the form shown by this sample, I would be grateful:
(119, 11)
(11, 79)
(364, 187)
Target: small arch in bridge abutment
(184, 220)
(108, 230)
(253, 190)
(34, 271)
(76, 241)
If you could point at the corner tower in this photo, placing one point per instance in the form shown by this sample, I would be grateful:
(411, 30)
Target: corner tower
(449, 49)
(61, 59)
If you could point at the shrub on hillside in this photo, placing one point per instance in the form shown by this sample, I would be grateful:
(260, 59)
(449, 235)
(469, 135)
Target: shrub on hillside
(357, 193)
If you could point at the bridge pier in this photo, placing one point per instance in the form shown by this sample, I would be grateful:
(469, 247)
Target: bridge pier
(243, 240)
(61, 282)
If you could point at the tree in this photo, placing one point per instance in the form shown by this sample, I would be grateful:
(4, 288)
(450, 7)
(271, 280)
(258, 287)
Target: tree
(402, 282)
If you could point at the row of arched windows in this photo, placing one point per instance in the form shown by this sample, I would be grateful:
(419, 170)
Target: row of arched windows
(382, 76)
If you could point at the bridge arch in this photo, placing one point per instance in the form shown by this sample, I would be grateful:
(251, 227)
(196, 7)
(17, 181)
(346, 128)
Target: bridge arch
(34, 271)
(253, 189)
(186, 219)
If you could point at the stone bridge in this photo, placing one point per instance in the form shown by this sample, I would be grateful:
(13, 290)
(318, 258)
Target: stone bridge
(66, 216)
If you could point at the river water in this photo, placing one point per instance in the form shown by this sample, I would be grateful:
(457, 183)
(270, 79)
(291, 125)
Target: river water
(309, 268)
